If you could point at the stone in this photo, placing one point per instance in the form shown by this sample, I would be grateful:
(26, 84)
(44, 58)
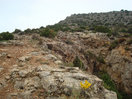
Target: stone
(22, 64)
(50, 57)
(14, 70)
(1, 68)
(7, 77)
(24, 58)
(8, 56)
(58, 62)
(110, 95)
(14, 66)
(34, 53)
(43, 68)
(19, 85)
(23, 73)
(3, 54)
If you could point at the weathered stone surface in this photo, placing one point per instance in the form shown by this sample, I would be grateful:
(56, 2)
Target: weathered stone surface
(121, 69)
(32, 82)
(19, 85)
(57, 81)
(2, 84)
(110, 95)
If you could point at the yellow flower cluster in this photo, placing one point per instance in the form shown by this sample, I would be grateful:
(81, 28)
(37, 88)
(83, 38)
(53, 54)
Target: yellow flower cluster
(85, 85)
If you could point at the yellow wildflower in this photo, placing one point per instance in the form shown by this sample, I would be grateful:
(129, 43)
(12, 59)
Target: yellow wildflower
(85, 85)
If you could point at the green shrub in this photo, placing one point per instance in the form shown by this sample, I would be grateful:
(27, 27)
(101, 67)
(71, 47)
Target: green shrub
(48, 33)
(17, 31)
(69, 64)
(59, 27)
(6, 36)
(108, 83)
(78, 63)
(27, 31)
(100, 59)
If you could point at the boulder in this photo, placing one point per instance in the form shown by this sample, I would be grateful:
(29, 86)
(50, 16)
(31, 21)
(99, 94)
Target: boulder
(24, 58)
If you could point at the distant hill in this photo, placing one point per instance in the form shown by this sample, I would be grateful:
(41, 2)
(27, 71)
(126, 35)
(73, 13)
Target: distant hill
(114, 18)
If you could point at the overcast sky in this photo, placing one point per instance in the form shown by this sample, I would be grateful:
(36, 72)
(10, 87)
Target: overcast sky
(23, 14)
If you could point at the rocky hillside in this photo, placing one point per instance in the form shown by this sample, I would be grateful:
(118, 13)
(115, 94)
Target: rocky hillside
(85, 56)
(113, 18)
(34, 66)
(30, 69)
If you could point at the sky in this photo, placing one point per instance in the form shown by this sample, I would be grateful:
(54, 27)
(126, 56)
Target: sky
(23, 14)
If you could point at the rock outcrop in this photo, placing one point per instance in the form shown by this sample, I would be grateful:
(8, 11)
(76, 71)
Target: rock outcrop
(120, 69)
(55, 82)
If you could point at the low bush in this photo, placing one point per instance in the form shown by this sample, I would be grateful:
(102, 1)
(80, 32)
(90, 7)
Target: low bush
(100, 59)
(108, 83)
(48, 33)
(78, 63)
(17, 31)
(69, 64)
(6, 36)
(27, 31)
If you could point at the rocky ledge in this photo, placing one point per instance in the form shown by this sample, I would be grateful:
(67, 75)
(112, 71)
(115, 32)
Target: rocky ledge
(50, 82)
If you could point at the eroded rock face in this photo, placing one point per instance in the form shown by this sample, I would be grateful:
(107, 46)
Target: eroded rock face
(117, 64)
(121, 70)
(55, 82)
